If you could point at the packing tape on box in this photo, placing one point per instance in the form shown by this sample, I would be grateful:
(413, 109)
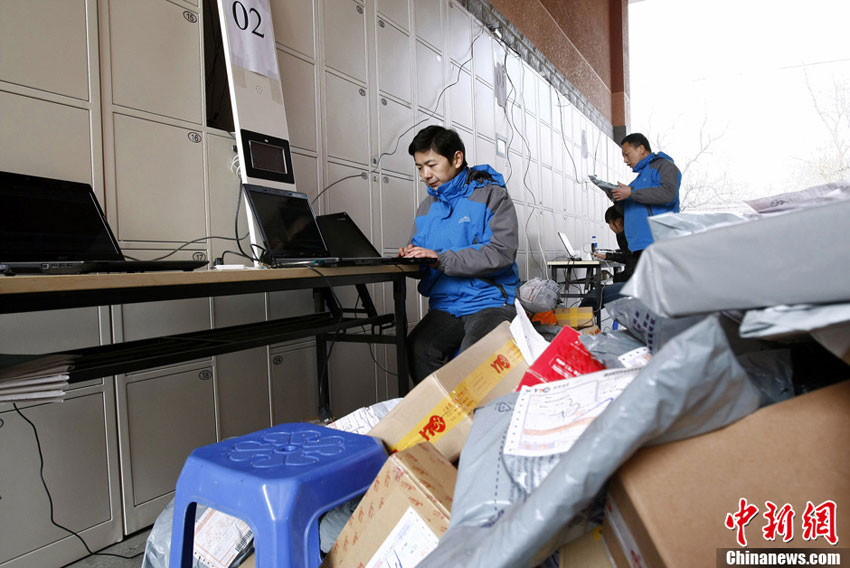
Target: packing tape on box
(460, 403)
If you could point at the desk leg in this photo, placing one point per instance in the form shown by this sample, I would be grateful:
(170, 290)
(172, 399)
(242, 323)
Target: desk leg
(400, 307)
(322, 373)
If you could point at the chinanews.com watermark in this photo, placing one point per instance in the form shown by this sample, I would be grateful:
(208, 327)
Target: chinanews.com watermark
(817, 522)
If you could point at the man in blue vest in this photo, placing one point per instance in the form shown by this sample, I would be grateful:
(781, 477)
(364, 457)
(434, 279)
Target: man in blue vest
(655, 190)
(468, 223)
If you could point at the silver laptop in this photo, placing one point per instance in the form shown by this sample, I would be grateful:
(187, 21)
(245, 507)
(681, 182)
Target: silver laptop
(571, 252)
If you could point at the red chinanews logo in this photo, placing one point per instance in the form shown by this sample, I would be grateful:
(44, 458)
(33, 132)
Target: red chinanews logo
(501, 363)
(434, 427)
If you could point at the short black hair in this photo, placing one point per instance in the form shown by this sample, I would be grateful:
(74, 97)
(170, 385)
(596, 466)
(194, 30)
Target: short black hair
(612, 214)
(443, 141)
(636, 139)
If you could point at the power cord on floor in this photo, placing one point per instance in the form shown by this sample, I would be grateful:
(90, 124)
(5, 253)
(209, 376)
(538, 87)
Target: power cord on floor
(50, 497)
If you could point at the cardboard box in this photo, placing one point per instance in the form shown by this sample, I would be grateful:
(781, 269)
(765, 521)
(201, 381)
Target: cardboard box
(588, 551)
(576, 318)
(403, 514)
(439, 409)
(668, 505)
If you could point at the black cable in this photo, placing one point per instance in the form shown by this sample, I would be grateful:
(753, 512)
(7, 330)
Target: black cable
(50, 497)
(206, 238)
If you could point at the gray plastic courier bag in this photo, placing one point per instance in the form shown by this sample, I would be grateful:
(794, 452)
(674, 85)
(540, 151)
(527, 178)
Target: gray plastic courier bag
(646, 325)
(792, 258)
(672, 225)
(608, 346)
(691, 386)
(782, 321)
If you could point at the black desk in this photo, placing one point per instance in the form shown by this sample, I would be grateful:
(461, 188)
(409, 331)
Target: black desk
(329, 323)
(591, 281)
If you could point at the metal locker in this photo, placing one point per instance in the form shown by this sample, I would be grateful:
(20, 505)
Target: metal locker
(398, 196)
(345, 37)
(352, 195)
(546, 199)
(485, 105)
(353, 382)
(45, 139)
(154, 319)
(428, 22)
(528, 87)
(485, 152)
(294, 25)
(77, 441)
(557, 150)
(159, 180)
(393, 60)
(395, 10)
(557, 192)
(483, 59)
(50, 331)
(347, 119)
(515, 174)
(429, 79)
(460, 95)
(50, 40)
(156, 58)
(294, 386)
(395, 134)
(152, 407)
(298, 79)
(544, 105)
(242, 379)
(307, 176)
(529, 130)
(459, 38)
(545, 145)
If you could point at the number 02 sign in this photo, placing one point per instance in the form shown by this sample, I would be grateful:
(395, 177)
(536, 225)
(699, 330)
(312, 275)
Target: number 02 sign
(250, 35)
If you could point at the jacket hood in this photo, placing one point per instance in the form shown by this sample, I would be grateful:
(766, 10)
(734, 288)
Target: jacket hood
(467, 180)
(649, 159)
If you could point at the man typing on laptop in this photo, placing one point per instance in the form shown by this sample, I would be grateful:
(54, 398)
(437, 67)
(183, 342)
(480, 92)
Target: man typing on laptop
(468, 224)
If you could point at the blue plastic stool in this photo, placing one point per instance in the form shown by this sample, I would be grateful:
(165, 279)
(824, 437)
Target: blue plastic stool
(278, 480)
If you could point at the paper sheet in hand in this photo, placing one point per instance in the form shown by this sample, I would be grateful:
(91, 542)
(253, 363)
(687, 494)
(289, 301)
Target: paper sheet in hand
(548, 418)
(605, 186)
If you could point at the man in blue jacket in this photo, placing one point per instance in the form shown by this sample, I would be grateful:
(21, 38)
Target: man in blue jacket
(468, 223)
(655, 190)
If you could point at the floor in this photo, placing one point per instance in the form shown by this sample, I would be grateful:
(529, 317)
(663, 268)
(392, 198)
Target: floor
(130, 546)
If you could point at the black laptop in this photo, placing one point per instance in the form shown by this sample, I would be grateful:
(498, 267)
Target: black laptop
(345, 240)
(292, 235)
(51, 226)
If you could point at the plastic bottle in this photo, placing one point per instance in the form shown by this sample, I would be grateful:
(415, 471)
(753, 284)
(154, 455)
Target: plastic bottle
(593, 244)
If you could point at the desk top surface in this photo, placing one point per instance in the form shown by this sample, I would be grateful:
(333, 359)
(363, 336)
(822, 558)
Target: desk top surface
(79, 282)
(574, 263)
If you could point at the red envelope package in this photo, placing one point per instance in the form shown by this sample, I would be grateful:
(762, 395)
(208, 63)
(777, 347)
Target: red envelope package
(564, 358)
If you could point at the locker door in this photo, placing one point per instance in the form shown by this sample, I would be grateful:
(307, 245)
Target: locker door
(298, 78)
(395, 134)
(171, 317)
(351, 195)
(485, 152)
(76, 440)
(460, 95)
(50, 331)
(544, 106)
(295, 391)
(398, 204)
(545, 145)
(159, 178)
(557, 192)
(345, 37)
(153, 406)
(393, 67)
(353, 381)
(347, 119)
(546, 199)
(459, 36)
(485, 103)
(50, 41)
(397, 11)
(530, 132)
(483, 59)
(45, 139)
(528, 86)
(428, 21)
(243, 392)
(294, 24)
(156, 58)
(307, 176)
(429, 79)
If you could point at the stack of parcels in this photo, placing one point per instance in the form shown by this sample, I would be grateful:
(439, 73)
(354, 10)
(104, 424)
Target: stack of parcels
(34, 378)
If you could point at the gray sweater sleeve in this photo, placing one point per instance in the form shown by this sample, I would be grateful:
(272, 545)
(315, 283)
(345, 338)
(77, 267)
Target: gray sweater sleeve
(500, 252)
(661, 194)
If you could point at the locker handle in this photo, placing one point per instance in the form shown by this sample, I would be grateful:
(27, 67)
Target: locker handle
(205, 375)
(277, 360)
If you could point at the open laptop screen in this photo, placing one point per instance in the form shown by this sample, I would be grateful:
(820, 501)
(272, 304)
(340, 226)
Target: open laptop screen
(287, 223)
(46, 220)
